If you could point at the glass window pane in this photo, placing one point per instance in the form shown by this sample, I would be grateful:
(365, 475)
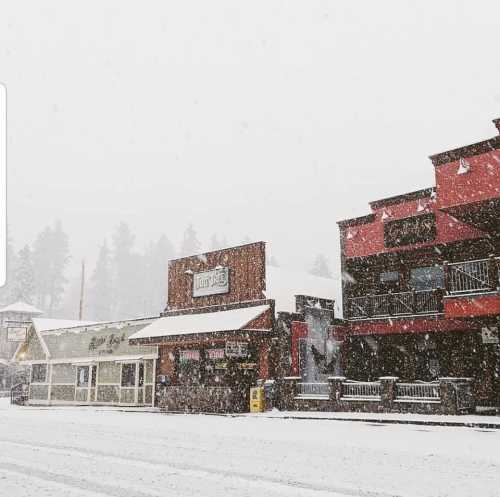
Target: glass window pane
(389, 277)
(427, 278)
(82, 376)
(128, 375)
(38, 373)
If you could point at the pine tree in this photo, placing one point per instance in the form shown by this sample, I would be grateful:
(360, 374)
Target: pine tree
(50, 259)
(214, 243)
(156, 272)
(320, 267)
(7, 292)
(24, 276)
(190, 243)
(127, 268)
(100, 295)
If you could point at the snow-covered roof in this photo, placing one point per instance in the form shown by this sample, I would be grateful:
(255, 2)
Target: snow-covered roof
(207, 322)
(283, 284)
(22, 307)
(48, 324)
(64, 339)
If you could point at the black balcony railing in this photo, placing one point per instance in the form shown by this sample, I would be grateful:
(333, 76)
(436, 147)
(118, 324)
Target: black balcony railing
(472, 276)
(396, 304)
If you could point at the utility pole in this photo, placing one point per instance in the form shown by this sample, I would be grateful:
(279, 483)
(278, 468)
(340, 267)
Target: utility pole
(82, 290)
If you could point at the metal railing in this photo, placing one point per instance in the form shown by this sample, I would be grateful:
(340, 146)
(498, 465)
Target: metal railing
(361, 390)
(396, 304)
(313, 389)
(417, 391)
(470, 277)
(19, 394)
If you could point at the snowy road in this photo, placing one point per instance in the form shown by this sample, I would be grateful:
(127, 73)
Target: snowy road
(81, 453)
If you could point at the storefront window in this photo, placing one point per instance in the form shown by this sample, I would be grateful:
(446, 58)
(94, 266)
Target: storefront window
(189, 367)
(389, 277)
(38, 373)
(141, 374)
(82, 376)
(128, 375)
(427, 278)
(94, 376)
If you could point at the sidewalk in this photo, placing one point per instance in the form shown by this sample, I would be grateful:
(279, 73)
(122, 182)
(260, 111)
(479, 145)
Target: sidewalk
(467, 420)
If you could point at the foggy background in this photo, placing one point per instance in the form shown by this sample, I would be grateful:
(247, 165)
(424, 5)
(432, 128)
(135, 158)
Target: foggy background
(262, 120)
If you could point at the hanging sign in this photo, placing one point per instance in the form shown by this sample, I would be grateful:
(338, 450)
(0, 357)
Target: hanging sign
(489, 335)
(189, 355)
(213, 282)
(16, 333)
(214, 354)
(415, 229)
(236, 349)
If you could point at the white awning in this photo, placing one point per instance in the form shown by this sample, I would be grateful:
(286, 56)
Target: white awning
(207, 322)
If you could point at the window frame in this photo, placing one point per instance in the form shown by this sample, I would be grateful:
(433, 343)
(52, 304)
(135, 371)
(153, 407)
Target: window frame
(433, 267)
(86, 384)
(46, 369)
(128, 365)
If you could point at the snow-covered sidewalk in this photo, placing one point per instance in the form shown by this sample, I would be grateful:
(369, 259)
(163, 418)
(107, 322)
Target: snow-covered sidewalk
(95, 452)
(477, 421)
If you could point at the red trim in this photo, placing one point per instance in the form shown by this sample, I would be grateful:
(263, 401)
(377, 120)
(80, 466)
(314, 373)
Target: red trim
(470, 306)
(415, 325)
(299, 330)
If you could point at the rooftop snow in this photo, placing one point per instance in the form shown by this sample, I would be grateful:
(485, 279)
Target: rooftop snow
(282, 285)
(47, 324)
(20, 306)
(207, 322)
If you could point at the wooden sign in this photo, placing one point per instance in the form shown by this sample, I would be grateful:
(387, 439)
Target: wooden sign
(410, 230)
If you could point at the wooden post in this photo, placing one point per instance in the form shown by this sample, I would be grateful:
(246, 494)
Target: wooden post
(493, 273)
(446, 277)
(82, 289)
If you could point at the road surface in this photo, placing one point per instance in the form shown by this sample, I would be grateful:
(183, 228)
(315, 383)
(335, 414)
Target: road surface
(83, 452)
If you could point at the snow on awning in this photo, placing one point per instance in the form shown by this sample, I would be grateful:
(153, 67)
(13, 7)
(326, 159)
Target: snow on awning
(207, 322)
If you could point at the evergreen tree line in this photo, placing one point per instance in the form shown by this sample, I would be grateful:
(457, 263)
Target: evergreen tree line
(124, 283)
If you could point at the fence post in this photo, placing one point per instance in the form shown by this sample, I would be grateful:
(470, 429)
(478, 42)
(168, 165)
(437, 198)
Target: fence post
(335, 391)
(448, 396)
(493, 273)
(446, 277)
(388, 392)
(287, 391)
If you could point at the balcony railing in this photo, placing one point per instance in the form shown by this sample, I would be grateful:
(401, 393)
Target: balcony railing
(420, 392)
(396, 304)
(472, 276)
(361, 390)
(313, 389)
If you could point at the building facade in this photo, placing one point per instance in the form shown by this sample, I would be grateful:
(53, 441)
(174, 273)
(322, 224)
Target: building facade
(421, 285)
(84, 363)
(14, 321)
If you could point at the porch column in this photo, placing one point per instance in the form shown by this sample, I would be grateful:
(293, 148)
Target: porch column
(388, 391)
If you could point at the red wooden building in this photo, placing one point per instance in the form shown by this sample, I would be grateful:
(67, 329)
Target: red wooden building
(421, 288)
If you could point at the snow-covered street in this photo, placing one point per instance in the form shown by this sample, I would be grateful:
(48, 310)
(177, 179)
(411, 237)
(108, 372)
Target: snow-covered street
(76, 452)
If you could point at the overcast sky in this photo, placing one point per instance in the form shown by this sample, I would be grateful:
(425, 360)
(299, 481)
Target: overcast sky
(272, 119)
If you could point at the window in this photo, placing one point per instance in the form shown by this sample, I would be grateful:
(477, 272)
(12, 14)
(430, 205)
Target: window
(427, 278)
(141, 374)
(82, 376)
(389, 277)
(39, 373)
(128, 375)
(94, 376)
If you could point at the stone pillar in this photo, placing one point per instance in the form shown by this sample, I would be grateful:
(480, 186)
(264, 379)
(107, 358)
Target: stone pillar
(448, 395)
(448, 390)
(286, 390)
(388, 392)
(336, 392)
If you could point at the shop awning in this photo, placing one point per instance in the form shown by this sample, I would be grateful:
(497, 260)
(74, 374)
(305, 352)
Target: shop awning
(207, 322)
